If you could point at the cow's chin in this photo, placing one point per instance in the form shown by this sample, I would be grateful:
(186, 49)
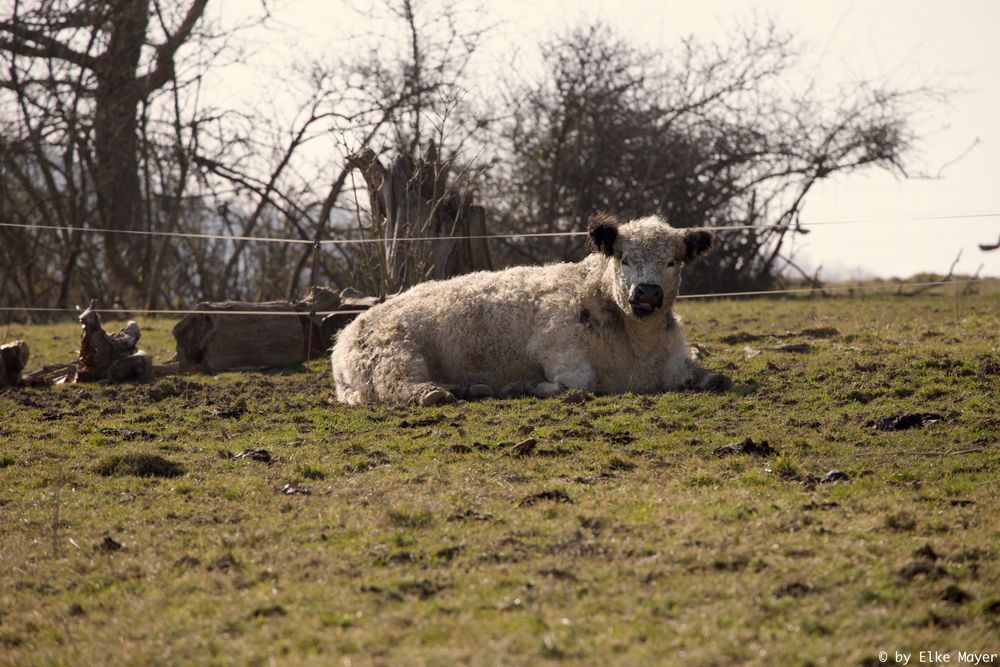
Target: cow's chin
(641, 312)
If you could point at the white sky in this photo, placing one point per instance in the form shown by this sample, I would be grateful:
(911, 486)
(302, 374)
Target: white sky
(911, 42)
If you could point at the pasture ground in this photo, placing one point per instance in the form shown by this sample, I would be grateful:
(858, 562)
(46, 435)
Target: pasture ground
(129, 533)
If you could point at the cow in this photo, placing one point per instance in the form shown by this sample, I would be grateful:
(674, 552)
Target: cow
(604, 324)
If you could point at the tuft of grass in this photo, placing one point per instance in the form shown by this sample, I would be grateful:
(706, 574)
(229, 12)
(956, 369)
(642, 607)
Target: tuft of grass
(138, 465)
(310, 472)
(409, 517)
(785, 469)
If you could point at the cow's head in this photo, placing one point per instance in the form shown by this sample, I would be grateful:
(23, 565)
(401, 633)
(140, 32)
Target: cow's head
(645, 260)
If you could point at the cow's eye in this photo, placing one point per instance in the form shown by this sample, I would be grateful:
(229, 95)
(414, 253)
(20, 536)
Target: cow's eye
(671, 263)
(624, 260)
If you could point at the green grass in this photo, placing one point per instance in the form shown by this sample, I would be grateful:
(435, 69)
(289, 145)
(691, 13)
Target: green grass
(621, 539)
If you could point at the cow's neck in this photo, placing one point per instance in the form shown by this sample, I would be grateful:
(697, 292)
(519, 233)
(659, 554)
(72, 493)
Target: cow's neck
(649, 330)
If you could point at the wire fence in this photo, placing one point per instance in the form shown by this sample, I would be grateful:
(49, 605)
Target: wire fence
(512, 235)
(885, 288)
(821, 290)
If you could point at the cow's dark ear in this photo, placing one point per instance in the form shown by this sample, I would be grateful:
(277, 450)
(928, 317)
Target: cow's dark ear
(697, 242)
(603, 230)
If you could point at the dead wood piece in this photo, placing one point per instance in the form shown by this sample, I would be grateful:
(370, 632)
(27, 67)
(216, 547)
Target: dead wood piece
(13, 359)
(134, 368)
(100, 351)
(334, 322)
(321, 305)
(219, 338)
(169, 368)
(49, 375)
(322, 300)
(214, 341)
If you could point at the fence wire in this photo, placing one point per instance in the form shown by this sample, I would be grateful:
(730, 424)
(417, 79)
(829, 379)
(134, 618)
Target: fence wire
(512, 235)
(271, 239)
(884, 288)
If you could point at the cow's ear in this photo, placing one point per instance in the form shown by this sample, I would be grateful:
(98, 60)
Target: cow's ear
(697, 242)
(603, 230)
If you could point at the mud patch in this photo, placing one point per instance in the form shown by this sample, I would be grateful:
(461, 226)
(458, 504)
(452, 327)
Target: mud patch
(747, 446)
(905, 421)
(139, 465)
(553, 495)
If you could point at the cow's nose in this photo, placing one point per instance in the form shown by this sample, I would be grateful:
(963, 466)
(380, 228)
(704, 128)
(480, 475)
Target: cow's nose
(647, 295)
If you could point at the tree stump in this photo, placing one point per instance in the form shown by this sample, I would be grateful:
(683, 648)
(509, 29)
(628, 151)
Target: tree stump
(13, 359)
(411, 199)
(111, 357)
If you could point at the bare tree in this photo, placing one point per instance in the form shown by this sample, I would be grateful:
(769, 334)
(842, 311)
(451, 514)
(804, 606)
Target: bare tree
(708, 135)
(100, 46)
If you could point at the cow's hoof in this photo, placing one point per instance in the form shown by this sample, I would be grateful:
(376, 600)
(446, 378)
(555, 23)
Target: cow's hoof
(516, 390)
(715, 382)
(548, 389)
(480, 391)
(436, 396)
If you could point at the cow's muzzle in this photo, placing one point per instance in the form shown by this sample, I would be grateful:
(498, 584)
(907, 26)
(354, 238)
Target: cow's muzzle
(645, 299)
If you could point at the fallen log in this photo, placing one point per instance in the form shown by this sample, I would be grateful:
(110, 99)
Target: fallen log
(218, 338)
(214, 340)
(13, 359)
(351, 301)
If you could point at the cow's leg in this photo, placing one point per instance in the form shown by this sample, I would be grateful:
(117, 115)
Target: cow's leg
(565, 368)
(707, 380)
(401, 376)
(680, 373)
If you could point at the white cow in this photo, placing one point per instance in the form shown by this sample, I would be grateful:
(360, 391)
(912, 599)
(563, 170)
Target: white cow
(603, 324)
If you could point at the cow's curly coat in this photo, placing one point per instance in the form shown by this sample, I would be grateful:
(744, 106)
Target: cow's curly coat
(533, 329)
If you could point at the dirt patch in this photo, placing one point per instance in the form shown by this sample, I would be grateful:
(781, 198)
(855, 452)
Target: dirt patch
(620, 438)
(421, 589)
(834, 477)
(139, 465)
(255, 454)
(988, 365)
(922, 567)
(905, 421)
(900, 522)
(556, 573)
(820, 332)
(523, 448)
(425, 421)
(128, 434)
(554, 495)
(799, 348)
(269, 611)
(747, 446)
(793, 589)
(110, 545)
(573, 396)
(230, 412)
(955, 595)
(470, 515)
(741, 337)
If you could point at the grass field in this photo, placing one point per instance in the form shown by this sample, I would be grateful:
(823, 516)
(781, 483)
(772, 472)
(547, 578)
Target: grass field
(130, 533)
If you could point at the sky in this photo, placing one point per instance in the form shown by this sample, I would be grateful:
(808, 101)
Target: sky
(955, 170)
